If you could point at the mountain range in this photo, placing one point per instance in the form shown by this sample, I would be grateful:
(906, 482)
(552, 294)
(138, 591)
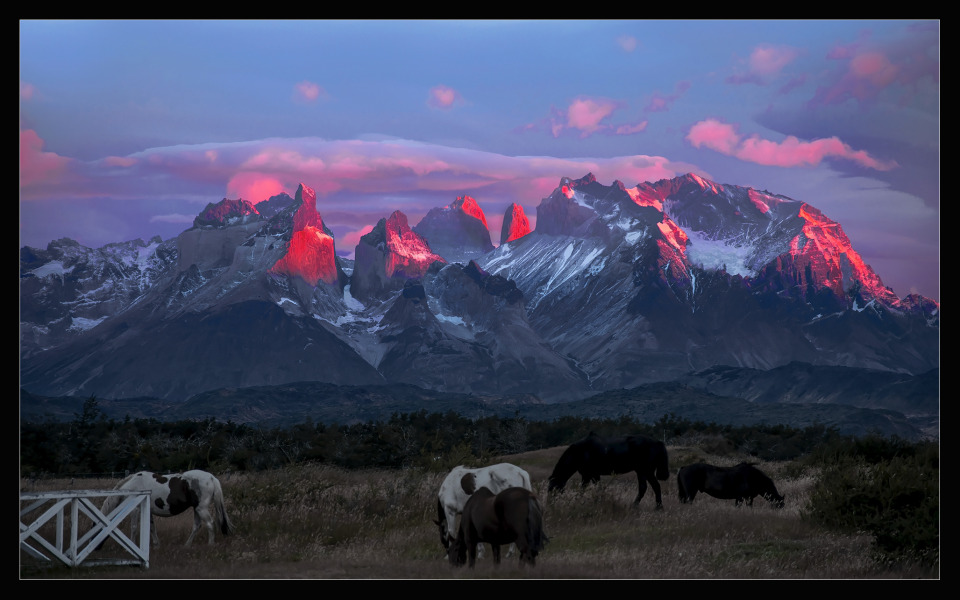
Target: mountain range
(726, 289)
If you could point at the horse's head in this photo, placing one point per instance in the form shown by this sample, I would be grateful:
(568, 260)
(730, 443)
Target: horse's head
(555, 485)
(774, 498)
(568, 464)
(457, 552)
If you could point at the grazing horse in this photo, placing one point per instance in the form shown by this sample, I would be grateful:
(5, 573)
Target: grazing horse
(456, 489)
(594, 456)
(743, 481)
(172, 494)
(512, 516)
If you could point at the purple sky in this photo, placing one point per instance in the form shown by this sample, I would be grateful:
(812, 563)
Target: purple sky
(129, 128)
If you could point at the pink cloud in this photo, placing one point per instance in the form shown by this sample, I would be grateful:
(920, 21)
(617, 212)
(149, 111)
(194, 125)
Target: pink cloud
(868, 69)
(764, 64)
(349, 240)
(627, 43)
(767, 61)
(714, 135)
(443, 97)
(253, 187)
(875, 68)
(37, 166)
(631, 128)
(661, 102)
(307, 91)
(585, 114)
(27, 91)
(119, 161)
(791, 152)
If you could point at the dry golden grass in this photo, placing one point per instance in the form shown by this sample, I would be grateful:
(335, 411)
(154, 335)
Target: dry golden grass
(316, 522)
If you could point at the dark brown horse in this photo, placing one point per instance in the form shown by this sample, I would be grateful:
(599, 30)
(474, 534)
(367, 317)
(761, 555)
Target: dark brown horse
(594, 456)
(739, 483)
(514, 516)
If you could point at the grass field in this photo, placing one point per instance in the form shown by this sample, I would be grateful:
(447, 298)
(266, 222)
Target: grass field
(317, 522)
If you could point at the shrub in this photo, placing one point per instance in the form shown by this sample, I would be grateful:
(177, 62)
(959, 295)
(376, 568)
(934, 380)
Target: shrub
(889, 491)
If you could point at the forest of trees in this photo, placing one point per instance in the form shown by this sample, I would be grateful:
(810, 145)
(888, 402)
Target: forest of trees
(91, 444)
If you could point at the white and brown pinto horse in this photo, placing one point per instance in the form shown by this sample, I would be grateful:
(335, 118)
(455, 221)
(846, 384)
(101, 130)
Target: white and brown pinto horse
(173, 494)
(457, 488)
(514, 516)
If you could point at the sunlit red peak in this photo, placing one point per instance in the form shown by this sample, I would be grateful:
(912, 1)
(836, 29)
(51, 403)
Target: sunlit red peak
(823, 249)
(311, 254)
(515, 224)
(306, 215)
(407, 252)
(469, 206)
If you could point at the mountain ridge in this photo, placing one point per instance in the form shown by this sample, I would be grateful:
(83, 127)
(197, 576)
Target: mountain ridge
(615, 288)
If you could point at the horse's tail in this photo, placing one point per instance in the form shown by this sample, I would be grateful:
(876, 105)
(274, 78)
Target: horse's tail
(226, 526)
(536, 536)
(662, 461)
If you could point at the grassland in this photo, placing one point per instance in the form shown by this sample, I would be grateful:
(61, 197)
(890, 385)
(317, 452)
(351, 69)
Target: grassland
(318, 522)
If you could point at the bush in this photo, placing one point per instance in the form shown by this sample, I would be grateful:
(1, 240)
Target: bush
(891, 492)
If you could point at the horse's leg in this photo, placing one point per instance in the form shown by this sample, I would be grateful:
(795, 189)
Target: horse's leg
(207, 517)
(496, 553)
(196, 527)
(472, 555)
(656, 491)
(642, 489)
(511, 550)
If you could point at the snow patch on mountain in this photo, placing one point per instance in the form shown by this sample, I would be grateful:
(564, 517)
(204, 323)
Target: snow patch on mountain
(719, 254)
(54, 267)
(351, 302)
(81, 324)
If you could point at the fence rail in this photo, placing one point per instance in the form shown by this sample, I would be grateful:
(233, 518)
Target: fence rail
(77, 526)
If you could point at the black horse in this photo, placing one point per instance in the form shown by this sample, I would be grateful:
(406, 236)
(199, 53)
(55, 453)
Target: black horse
(742, 482)
(594, 456)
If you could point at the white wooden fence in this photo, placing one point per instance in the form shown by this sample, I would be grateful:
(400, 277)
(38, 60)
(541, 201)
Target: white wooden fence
(80, 527)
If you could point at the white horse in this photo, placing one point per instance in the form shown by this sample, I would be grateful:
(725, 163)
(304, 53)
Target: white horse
(172, 494)
(462, 482)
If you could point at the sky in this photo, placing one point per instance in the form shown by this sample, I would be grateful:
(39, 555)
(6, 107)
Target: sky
(128, 129)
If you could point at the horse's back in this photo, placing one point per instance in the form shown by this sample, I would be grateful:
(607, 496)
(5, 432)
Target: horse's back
(502, 476)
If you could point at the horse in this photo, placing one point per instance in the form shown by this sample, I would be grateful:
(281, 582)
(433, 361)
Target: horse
(456, 490)
(172, 494)
(512, 516)
(594, 456)
(742, 482)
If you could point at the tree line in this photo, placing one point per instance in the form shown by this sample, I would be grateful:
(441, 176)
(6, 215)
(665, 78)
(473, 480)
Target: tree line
(93, 444)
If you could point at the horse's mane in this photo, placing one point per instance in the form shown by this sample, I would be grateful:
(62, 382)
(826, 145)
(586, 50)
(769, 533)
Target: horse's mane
(568, 463)
(125, 480)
